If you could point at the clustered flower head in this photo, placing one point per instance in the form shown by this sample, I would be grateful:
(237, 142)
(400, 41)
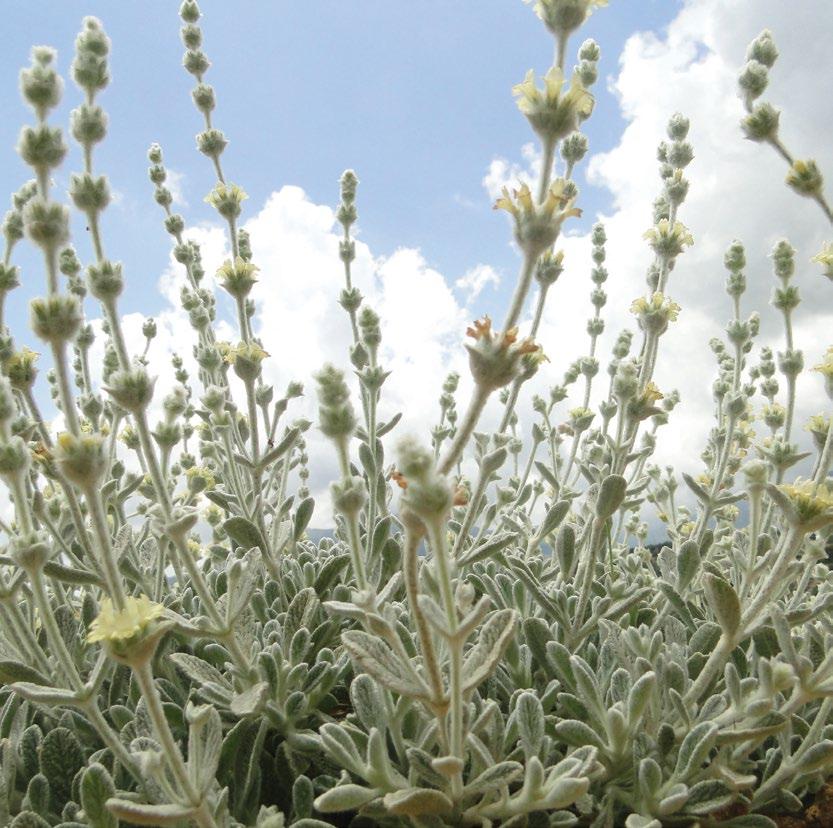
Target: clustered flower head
(669, 240)
(426, 492)
(813, 502)
(825, 368)
(562, 17)
(20, 368)
(553, 113)
(119, 626)
(226, 199)
(825, 258)
(656, 312)
(495, 357)
(246, 359)
(537, 225)
(237, 277)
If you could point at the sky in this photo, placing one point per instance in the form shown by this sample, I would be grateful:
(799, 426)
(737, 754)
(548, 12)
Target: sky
(417, 99)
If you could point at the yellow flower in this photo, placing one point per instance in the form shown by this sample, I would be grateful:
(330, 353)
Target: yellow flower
(537, 225)
(226, 198)
(809, 499)
(826, 365)
(200, 478)
(553, 114)
(825, 258)
(669, 239)
(655, 313)
(245, 350)
(119, 625)
(652, 394)
(238, 277)
(129, 437)
(20, 368)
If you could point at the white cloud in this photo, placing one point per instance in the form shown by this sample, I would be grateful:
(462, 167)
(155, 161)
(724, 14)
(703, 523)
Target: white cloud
(175, 182)
(475, 279)
(503, 173)
(737, 190)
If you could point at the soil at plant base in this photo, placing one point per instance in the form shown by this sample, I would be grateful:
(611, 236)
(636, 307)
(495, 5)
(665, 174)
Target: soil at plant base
(817, 814)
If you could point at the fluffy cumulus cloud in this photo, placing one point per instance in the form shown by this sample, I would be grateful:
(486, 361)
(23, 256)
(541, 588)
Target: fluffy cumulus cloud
(737, 191)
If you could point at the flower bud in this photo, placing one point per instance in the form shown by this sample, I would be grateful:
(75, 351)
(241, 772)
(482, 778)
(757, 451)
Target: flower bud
(40, 84)
(20, 369)
(212, 142)
(805, 178)
(783, 259)
(191, 36)
(246, 360)
(349, 496)
(57, 318)
(761, 124)
(226, 199)
(82, 459)
(195, 62)
(14, 458)
(763, 49)
(203, 96)
(46, 223)
(88, 193)
(335, 413)
(678, 126)
(131, 389)
(753, 79)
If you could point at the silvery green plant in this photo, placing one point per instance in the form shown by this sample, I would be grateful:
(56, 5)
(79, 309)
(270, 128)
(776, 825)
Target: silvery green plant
(495, 648)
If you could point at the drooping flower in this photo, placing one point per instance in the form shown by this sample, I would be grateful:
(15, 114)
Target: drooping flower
(116, 626)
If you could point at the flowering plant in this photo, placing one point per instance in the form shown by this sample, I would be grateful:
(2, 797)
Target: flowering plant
(484, 639)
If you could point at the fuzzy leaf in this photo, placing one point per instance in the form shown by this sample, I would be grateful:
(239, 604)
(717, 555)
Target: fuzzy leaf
(96, 788)
(724, 603)
(694, 749)
(303, 515)
(416, 802)
(610, 497)
(138, 813)
(530, 718)
(244, 533)
(61, 757)
(482, 659)
(345, 798)
(379, 661)
(503, 773)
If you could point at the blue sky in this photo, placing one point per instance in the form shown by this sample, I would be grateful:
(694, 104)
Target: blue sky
(415, 97)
